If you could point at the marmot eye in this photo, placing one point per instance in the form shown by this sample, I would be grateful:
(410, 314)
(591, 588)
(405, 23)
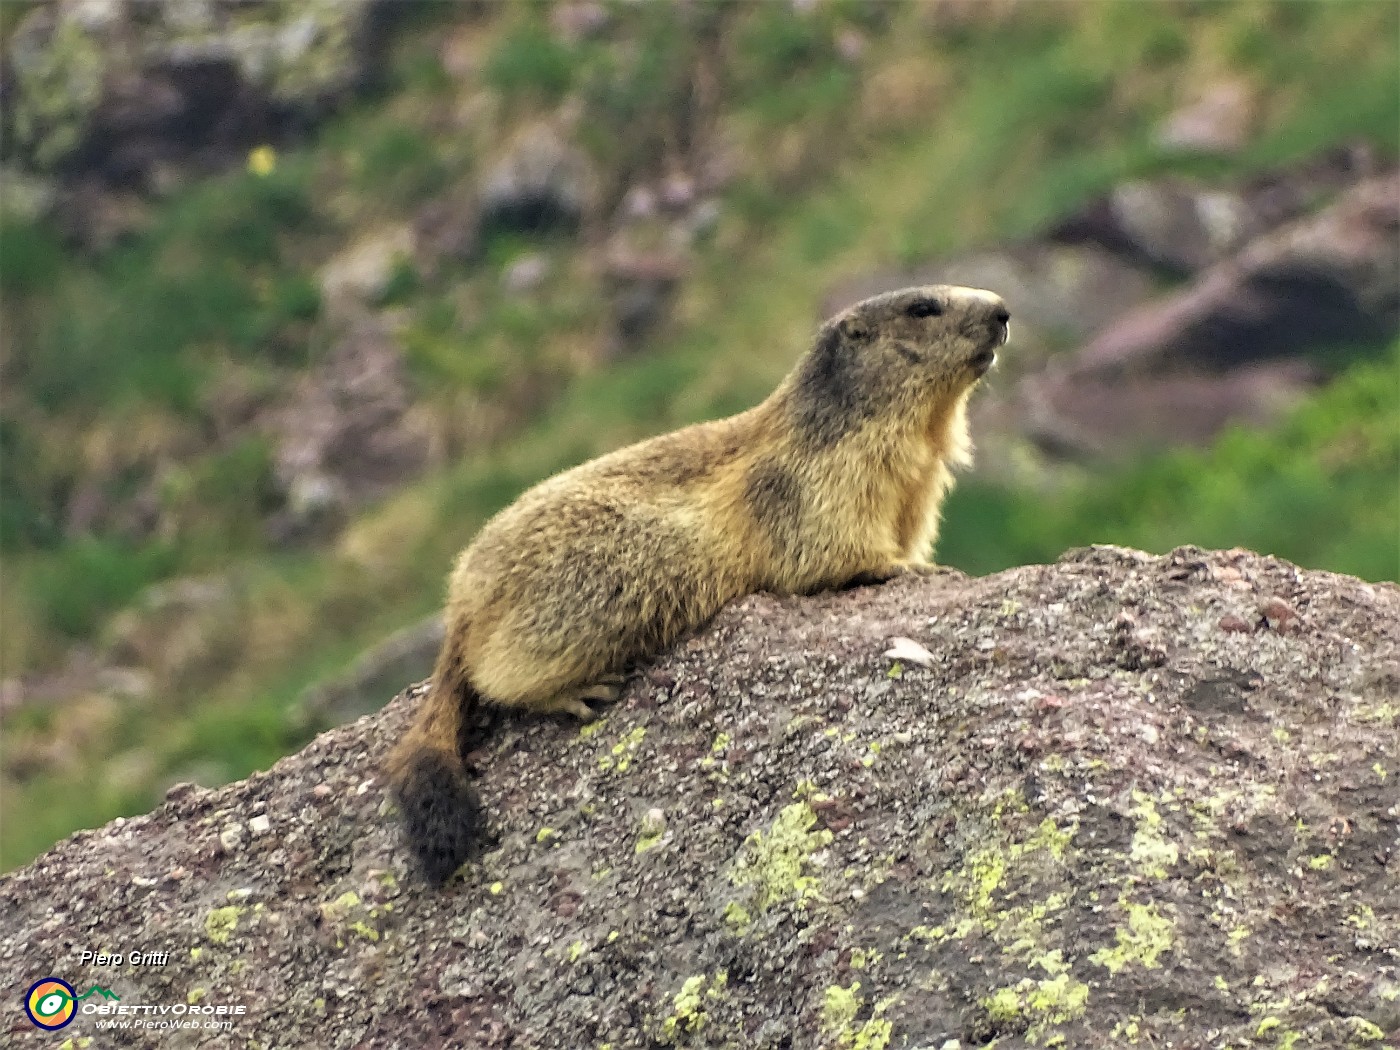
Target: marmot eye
(925, 308)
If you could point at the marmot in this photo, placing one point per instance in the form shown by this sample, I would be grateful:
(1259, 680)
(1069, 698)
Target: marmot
(834, 480)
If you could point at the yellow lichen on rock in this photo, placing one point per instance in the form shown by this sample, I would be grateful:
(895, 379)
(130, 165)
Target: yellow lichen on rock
(1146, 935)
(619, 758)
(840, 1007)
(220, 923)
(776, 864)
(1152, 854)
(688, 1014)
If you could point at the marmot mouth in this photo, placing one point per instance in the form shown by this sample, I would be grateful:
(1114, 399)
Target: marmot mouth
(982, 363)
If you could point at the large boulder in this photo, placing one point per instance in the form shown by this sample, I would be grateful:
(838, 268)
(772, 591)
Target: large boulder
(541, 181)
(118, 90)
(1184, 225)
(1325, 280)
(1117, 800)
(1243, 342)
(1118, 417)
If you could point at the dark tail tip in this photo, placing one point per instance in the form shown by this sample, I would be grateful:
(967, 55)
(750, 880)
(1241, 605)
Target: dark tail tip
(441, 812)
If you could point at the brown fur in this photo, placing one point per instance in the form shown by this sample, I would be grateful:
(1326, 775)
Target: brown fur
(836, 478)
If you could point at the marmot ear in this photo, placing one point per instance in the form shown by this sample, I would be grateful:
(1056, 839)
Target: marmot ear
(855, 331)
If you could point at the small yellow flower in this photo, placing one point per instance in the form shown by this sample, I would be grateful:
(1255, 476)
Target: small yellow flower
(262, 160)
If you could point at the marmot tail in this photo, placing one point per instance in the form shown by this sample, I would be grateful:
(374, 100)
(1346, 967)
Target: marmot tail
(441, 811)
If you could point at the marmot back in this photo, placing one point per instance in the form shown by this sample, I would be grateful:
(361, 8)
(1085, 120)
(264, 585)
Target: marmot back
(835, 479)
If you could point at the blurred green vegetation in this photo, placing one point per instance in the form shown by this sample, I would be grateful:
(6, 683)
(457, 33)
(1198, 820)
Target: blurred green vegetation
(530, 62)
(211, 276)
(985, 129)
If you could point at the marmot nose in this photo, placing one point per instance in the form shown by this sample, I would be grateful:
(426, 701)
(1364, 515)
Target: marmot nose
(1001, 323)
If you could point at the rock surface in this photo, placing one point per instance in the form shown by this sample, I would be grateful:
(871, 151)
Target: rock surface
(1117, 799)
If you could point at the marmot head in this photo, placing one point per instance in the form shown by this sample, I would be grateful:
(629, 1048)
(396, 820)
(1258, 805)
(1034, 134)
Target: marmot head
(898, 353)
(949, 331)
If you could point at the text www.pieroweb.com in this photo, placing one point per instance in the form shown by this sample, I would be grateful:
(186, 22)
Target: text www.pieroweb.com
(151, 1024)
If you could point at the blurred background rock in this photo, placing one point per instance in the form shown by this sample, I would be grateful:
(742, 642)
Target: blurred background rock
(296, 294)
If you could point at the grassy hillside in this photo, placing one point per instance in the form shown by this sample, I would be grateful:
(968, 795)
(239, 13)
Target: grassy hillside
(944, 134)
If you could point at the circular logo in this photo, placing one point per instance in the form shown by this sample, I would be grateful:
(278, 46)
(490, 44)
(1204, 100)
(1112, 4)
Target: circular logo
(50, 1003)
